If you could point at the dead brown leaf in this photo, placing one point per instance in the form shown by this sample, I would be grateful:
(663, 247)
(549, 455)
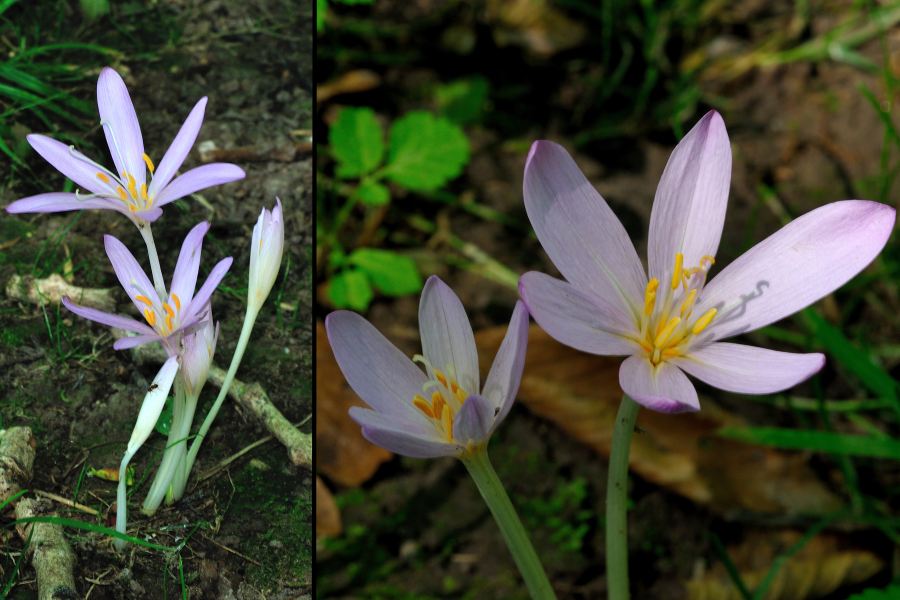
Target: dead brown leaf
(580, 393)
(534, 24)
(328, 515)
(342, 453)
(351, 82)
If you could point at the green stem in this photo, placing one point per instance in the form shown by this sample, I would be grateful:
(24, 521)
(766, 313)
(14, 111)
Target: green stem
(617, 501)
(155, 269)
(517, 541)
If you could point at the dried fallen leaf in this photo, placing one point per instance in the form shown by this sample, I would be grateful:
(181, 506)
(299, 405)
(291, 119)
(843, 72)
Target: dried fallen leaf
(580, 393)
(342, 453)
(52, 289)
(328, 515)
(821, 567)
(534, 24)
(351, 82)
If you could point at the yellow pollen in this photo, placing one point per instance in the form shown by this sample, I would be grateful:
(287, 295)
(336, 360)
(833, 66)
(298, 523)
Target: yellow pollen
(650, 296)
(168, 309)
(440, 377)
(676, 274)
(102, 177)
(422, 404)
(688, 303)
(169, 323)
(144, 299)
(704, 321)
(150, 316)
(132, 186)
(144, 191)
(121, 191)
(437, 404)
(132, 208)
(447, 422)
(177, 301)
(149, 163)
(666, 331)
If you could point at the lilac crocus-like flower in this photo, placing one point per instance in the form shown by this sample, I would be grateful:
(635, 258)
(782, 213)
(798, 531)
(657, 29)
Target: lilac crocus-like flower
(127, 188)
(166, 321)
(442, 411)
(266, 248)
(672, 323)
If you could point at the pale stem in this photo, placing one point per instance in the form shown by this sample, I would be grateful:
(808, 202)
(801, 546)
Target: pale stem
(158, 283)
(179, 474)
(504, 513)
(163, 479)
(617, 500)
(122, 501)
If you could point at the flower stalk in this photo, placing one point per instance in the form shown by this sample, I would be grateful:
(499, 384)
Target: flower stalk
(617, 501)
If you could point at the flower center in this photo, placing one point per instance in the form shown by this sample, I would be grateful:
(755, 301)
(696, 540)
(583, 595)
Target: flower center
(164, 320)
(666, 331)
(445, 399)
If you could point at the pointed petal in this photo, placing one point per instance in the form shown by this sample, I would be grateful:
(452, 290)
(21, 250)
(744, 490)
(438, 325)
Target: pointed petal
(120, 124)
(576, 318)
(179, 149)
(401, 437)
(689, 207)
(133, 341)
(447, 338)
(805, 260)
(579, 231)
(61, 158)
(130, 274)
(748, 369)
(184, 279)
(663, 388)
(150, 215)
(199, 179)
(59, 202)
(152, 405)
(475, 420)
(109, 319)
(198, 303)
(377, 371)
(502, 383)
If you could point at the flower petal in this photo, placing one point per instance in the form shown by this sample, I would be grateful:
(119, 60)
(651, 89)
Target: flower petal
(184, 279)
(401, 437)
(59, 202)
(198, 303)
(663, 388)
(61, 157)
(447, 339)
(199, 179)
(748, 369)
(131, 275)
(109, 319)
(152, 405)
(120, 124)
(574, 317)
(178, 150)
(377, 371)
(475, 420)
(133, 341)
(689, 207)
(502, 383)
(805, 260)
(579, 231)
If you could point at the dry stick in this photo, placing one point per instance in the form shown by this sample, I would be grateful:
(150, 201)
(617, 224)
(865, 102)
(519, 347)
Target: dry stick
(16, 460)
(51, 554)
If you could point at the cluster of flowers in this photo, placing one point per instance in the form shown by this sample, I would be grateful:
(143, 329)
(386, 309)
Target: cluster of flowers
(178, 317)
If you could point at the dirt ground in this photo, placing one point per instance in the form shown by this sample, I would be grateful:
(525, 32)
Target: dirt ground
(249, 527)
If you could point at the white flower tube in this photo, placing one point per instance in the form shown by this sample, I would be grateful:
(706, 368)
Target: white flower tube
(265, 254)
(150, 410)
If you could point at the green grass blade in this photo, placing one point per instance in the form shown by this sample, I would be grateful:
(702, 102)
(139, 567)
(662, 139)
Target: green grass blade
(815, 441)
(93, 528)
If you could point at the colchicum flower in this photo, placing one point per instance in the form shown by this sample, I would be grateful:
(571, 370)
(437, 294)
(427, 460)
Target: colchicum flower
(266, 249)
(442, 411)
(672, 323)
(166, 321)
(126, 189)
(199, 348)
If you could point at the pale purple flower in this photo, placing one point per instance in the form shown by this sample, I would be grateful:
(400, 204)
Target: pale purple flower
(442, 411)
(199, 348)
(126, 188)
(266, 248)
(672, 323)
(165, 321)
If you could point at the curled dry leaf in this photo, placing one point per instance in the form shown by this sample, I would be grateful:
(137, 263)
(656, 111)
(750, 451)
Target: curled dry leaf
(351, 82)
(328, 515)
(534, 24)
(580, 393)
(52, 289)
(342, 453)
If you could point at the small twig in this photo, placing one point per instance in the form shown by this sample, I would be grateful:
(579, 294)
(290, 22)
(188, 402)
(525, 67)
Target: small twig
(67, 502)
(232, 550)
(16, 460)
(227, 461)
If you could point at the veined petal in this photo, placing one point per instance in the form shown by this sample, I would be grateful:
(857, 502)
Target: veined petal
(199, 179)
(475, 420)
(502, 383)
(447, 338)
(184, 279)
(689, 208)
(205, 292)
(179, 149)
(149, 215)
(377, 371)
(120, 124)
(59, 202)
(748, 369)
(574, 317)
(131, 275)
(806, 259)
(663, 388)
(400, 437)
(109, 319)
(152, 405)
(60, 157)
(579, 231)
(133, 341)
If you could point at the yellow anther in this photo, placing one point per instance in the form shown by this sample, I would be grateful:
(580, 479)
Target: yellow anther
(666, 331)
(437, 404)
(144, 299)
(150, 316)
(447, 422)
(440, 377)
(422, 404)
(169, 323)
(132, 208)
(168, 309)
(122, 194)
(102, 177)
(688, 303)
(676, 274)
(149, 163)
(177, 301)
(650, 296)
(704, 321)
(132, 186)
(144, 191)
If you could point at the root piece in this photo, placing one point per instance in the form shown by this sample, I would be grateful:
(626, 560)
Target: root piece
(52, 289)
(50, 553)
(16, 460)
